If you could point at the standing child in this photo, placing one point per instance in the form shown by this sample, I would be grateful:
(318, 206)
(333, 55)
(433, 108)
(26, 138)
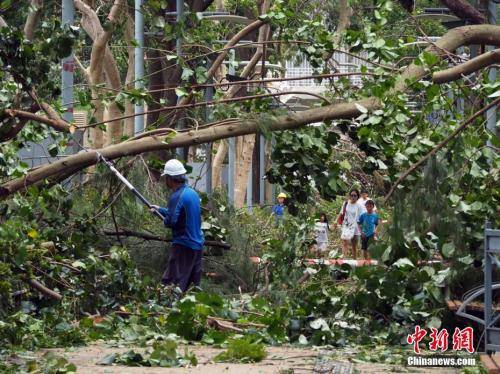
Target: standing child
(279, 209)
(364, 198)
(368, 223)
(321, 229)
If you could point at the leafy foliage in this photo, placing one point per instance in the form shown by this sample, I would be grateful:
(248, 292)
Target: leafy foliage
(164, 354)
(242, 350)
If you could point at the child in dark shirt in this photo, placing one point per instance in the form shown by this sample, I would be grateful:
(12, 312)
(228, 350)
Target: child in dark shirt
(367, 224)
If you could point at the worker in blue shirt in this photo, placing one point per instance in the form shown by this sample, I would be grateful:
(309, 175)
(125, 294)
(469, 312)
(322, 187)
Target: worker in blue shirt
(183, 216)
(279, 209)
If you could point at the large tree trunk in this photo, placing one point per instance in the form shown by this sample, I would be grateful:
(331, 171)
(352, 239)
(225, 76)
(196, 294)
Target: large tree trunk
(128, 128)
(244, 153)
(70, 165)
(234, 91)
(57, 171)
(96, 134)
(245, 144)
(217, 163)
(102, 60)
(462, 9)
(33, 19)
(345, 13)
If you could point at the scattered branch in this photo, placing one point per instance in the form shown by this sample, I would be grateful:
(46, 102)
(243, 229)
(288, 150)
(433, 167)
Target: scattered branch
(44, 290)
(147, 236)
(56, 124)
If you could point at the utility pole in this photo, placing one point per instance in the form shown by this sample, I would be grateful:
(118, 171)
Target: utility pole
(139, 64)
(209, 95)
(232, 143)
(262, 166)
(68, 66)
(182, 153)
(250, 189)
(491, 115)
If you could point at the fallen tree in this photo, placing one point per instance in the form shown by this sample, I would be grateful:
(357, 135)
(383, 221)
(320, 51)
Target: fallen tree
(471, 66)
(479, 34)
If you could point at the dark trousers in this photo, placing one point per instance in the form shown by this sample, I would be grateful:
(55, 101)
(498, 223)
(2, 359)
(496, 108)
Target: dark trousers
(184, 267)
(365, 241)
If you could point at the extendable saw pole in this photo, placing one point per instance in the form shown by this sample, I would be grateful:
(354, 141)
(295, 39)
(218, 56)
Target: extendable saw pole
(129, 185)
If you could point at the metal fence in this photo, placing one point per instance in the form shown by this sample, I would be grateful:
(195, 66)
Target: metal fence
(344, 63)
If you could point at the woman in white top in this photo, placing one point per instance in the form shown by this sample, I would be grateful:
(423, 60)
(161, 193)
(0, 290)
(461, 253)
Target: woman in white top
(348, 218)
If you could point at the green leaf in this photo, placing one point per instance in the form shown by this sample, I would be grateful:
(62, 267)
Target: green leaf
(401, 118)
(379, 43)
(169, 137)
(448, 249)
(434, 322)
(186, 74)
(381, 165)
(454, 198)
(302, 340)
(242, 350)
(53, 150)
(344, 164)
(107, 360)
(464, 207)
(430, 58)
(361, 108)
(319, 323)
(403, 262)
(180, 92)
(159, 22)
(79, 264)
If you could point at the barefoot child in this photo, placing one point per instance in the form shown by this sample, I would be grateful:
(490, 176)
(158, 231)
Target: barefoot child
(367, 224)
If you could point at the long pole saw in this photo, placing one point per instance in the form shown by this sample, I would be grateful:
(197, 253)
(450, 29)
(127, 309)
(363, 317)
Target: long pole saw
(110, 165)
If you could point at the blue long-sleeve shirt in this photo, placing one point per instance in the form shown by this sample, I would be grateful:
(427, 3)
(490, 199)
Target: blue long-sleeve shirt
(183, 216)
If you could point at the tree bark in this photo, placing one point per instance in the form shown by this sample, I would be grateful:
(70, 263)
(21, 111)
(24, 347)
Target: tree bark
(475, 64)
(58, 125)
(245, 144)
(220, 59)
(244, 153)
(220, 156)
(102, 61)
(33, 19)
(217, 163)
(128, 128)
(481, 34)
(95, 137)
(462, 9)
(345, 12)
(44, 290)
(409, 5)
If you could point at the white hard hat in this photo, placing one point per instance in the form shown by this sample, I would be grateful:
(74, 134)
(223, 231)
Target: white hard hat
(174, 167)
